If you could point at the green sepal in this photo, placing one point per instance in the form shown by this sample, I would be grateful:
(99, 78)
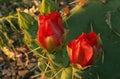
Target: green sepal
(67, 73)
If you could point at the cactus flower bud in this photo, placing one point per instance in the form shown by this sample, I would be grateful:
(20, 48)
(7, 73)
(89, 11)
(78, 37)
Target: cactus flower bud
(84, 50)
(51, 31)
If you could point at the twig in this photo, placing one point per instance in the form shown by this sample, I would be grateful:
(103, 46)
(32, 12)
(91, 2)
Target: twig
(57, 73)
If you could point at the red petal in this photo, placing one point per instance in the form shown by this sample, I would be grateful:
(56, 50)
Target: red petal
(76, 51)
(58, 21)
(70, 50)
(85, 54)
(92, 37)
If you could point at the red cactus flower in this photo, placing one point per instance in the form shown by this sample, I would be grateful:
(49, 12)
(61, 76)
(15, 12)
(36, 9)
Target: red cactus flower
(51, 30)
(83, 51)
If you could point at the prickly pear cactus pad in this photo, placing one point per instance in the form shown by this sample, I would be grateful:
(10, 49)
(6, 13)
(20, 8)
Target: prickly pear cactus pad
(104, 18)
